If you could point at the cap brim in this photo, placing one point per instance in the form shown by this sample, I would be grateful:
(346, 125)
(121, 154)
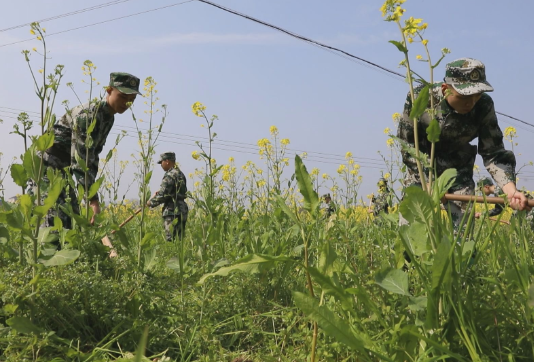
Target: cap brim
(159, 162)
(467, 89)
(125, 90)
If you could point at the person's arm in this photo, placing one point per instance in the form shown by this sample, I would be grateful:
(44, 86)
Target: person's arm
(163, 193)
(499, 162)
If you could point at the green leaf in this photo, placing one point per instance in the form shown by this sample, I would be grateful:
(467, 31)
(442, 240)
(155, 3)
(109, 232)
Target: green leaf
(433, 131)
(140, 351)
(282, 205)
(393, 280)
(19, 175)
(328, 286)
(328, 321)
(148, 237)
(95, 187)
(148, 177)
(23, 325)
(31, 164)
(417, 304)
(4, 234)
(420, 103)
(417, 237)
(443, 184)
(44, 142)
(399, 46)
(173, 263)
(25, 202)
(62, 257)
(53, 193)
(249, 264)
(441, 268)
(327, 257)
(417, 206)
(81, 162)
(311, 199)
(110, 154)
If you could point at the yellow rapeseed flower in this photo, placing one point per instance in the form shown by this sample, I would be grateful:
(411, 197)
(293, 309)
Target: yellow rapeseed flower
(231, 159)
(396, 116)
(424, 41)
(390, 142)
(387, 130)
(32, 32)
(34, 49)
(325, 176)
(195, 155)
(197, 109)
(348, 155)
(273, 130)
(341, 168)
(284, 141)
(387, 176)
(41, 71)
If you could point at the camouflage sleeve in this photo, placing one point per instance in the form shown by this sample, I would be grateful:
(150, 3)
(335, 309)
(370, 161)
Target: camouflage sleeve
(87, 153)
(164, 192)
(496, 210)
(499, 162)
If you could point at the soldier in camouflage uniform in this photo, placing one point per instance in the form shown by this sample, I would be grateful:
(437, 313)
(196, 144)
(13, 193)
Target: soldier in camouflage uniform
(70, 134)
(487, 187)
(382, 202)
(464, 112)
(330, 206)
(172, 195)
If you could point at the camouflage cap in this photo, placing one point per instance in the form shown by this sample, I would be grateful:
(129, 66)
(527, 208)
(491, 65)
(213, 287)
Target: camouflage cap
(467, 76)
(167, 156)
(486, 181)
(325, 196)
(124, 82)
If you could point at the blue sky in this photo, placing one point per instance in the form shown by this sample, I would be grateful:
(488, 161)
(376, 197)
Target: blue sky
(254, 77)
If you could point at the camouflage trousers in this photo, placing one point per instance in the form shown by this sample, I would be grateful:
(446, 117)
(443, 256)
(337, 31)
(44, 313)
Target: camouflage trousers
(65, 197)
(178, 229)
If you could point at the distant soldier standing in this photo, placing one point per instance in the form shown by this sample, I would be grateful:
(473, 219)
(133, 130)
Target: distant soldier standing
(382, 202)
(464, 112)
(70, 134)
(172, 195)
(330, 206)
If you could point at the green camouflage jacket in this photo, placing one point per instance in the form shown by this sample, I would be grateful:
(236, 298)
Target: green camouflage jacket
(70, 135)
(381, 202)
(172, 193)
(454, 149)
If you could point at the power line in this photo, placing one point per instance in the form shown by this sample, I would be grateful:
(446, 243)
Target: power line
(76, 12)
(329, 48)
(102, 22)
(325, 46)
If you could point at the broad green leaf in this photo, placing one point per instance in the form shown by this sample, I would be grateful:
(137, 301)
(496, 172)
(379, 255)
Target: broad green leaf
(417, 206)
(441, 268)
(173, 263)
(393, 280)
(399, 46)
(44, 142)
(433, 131)
(248, 264)
(311, 199)
(148, 237)
(25, 202)
(417, 236)
(95, 187)
(18, 173)
(45, 236)
(31, 164)
(51, 198)
(110, 154)
(327, 257)
(4, 234)
(328, 321)
(91, 126)
(62, 257)
(417, 304)
(443, 184)
(420, 104)
(81, 162)
(15, 219)
(148, 177)
(23, 325)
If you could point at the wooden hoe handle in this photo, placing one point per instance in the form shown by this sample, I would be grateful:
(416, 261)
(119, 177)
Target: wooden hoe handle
(480, 199)
(128, 219)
